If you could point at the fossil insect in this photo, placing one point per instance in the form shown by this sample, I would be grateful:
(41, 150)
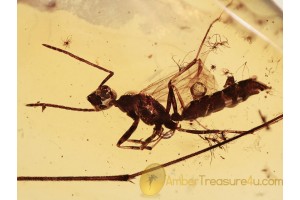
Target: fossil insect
(67, 42)
(213, 67)
(192, 81)
(146, 107)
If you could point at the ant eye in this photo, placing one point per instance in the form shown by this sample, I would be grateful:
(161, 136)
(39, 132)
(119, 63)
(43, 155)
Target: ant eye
(102, 98)
(105, 92)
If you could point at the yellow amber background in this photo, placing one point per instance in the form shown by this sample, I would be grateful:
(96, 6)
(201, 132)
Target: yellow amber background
(137, 40)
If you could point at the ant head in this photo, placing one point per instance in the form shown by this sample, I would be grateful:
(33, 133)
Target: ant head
(102, 98)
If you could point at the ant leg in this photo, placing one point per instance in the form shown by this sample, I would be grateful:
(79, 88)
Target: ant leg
(179, 98)
(45, 105)
(171, 100)
(134, 141)
(162, 135)
(171, 96)
(197, 54)
(127, 135)
(229, 81)
(200, 132)
(175, 116)
(156, 132)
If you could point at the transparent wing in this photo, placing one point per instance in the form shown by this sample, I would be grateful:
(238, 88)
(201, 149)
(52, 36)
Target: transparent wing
(159, 89)
(197, 73)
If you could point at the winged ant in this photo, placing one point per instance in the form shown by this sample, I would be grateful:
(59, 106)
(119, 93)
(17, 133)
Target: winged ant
(144, 107)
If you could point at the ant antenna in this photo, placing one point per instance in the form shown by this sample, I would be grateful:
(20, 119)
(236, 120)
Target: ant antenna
(111, 73)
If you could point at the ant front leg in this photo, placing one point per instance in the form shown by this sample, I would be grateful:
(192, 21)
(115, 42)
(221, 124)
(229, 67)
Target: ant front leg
(127, 135)
(157, 131)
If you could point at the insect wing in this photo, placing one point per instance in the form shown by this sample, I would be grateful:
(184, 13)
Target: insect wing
(197, 73)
